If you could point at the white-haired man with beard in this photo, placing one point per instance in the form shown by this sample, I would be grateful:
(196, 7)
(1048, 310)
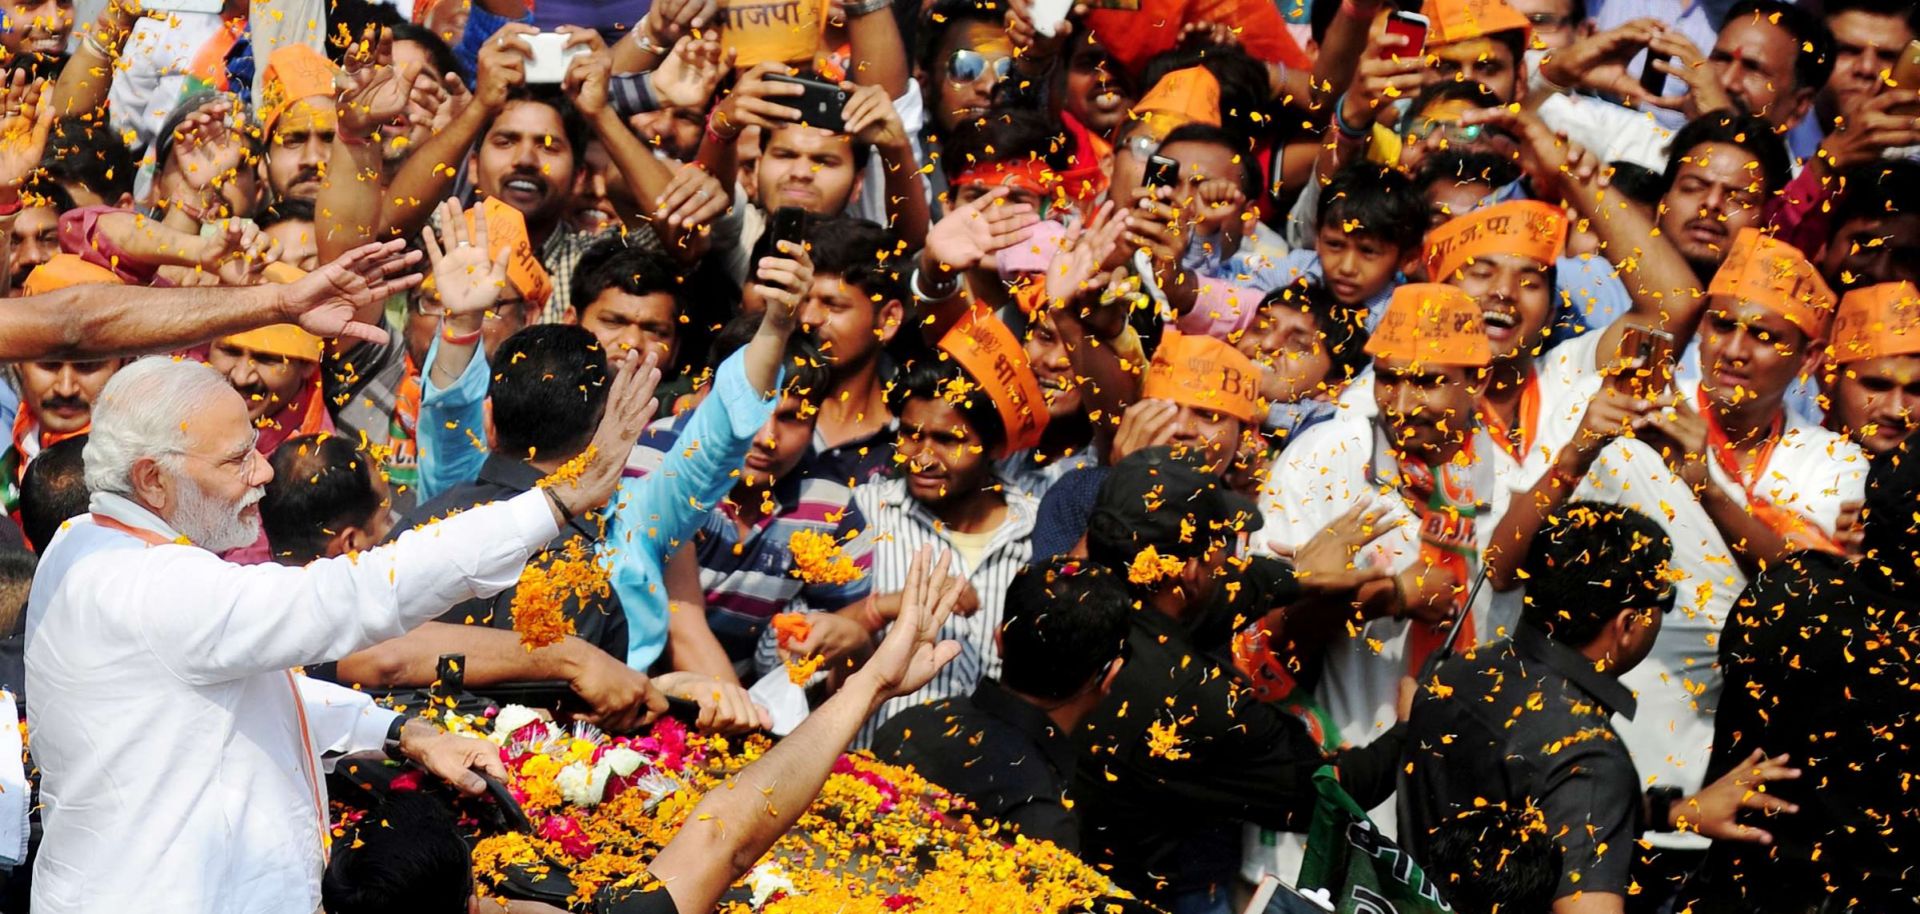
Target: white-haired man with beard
(182, 757)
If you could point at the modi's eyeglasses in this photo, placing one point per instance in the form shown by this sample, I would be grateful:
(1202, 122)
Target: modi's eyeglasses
(965, 66)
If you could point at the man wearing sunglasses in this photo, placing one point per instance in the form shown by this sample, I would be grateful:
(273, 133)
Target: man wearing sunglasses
(961, 66)
(1007, 747)
(1527, 722)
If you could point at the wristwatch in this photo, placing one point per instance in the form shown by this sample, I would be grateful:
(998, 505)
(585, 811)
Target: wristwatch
(1660, 800)
(393, 736)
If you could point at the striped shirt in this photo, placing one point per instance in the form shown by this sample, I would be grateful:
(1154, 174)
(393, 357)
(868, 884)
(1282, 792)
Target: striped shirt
(747, 576)
(897, 526)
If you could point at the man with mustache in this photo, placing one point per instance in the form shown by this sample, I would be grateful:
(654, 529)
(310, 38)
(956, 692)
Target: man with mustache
(297, 113)
(136, 616)
(277, 370)
(36, 30)
(56, 396)
(35, 231)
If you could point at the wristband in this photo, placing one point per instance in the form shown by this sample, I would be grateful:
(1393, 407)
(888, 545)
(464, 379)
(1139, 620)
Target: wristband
(464, 339)
(713, 131)
(913, 285)
(864, 7)
(1660, 802)
(393, 738)
(1340, 121)
(872, 618)
(558, 505)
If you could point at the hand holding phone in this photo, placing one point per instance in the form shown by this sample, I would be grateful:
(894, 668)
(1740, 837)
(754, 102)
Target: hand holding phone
(1643, 362)
(1413, 27)
(820, 104)
(1162, 172)
(551, 55)
(1047, 16)
(1652, 80)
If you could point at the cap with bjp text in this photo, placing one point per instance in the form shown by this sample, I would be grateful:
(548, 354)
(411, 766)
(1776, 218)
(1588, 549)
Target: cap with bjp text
(294, 72)
(1872, 322)
(1773, 274)
(995, 360)
(1204, 373)
(1527, 228)
(1189, 96)
(1460, 20)
(507, 230)
(1432, 323)
(1161, 497)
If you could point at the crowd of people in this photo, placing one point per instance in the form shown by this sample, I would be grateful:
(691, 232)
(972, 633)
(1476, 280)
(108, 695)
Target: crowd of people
(1502, 402)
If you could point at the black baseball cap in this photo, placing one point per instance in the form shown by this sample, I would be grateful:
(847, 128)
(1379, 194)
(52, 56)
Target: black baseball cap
(1162, 498)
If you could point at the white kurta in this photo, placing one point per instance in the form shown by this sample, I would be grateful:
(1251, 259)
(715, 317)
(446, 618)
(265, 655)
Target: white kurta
(1811, 472)
(180, 755)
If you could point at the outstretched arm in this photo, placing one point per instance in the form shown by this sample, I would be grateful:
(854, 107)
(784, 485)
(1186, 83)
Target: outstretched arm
(734, 825)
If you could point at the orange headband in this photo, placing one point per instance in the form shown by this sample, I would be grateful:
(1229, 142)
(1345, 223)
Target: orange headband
(1027, 174)
(1204, 373)
(996, 361)
(1872, 322)
(1432, 323)
(1526, 228)
(1459, 20)
(1774, 275)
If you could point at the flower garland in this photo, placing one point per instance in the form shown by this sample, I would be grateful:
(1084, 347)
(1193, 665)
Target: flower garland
(540, 599)
(879, 838)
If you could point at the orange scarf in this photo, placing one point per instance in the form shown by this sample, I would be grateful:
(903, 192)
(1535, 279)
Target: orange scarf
(1799, 532)
(29, 440)
(1516, 442)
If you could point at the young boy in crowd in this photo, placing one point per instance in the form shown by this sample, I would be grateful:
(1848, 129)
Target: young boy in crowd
(1371, 226)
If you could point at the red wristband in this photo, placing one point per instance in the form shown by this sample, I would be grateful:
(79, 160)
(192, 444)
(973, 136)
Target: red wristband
(464, 339)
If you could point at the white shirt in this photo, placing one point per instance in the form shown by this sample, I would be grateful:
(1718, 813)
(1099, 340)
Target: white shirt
(153, 72)
(178, 775)
(1811, 472)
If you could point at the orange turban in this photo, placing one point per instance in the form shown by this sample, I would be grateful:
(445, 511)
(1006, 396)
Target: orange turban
(1527, 228)
(1774, 275)
(1432, 323)
(1876, 321)
(1460, 20)
(66, 270)
(1204, 373)
(996, 361)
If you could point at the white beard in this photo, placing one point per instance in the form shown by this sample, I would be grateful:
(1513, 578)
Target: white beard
(208, 523)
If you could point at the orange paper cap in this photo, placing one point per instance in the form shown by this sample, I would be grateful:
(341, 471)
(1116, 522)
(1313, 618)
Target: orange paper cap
(66, 270)
(282, 273)
(506, 227)
(993, 356)
(278, 339)
(1431, 323)
(1459, 20)
(1189, 96)
(1204, 373)
(294, 72)
(1872, 322)
(1526, 228)
(1774, 275)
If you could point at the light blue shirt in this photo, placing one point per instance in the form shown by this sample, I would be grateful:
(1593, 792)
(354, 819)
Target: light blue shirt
(453, 426)
(654, 514)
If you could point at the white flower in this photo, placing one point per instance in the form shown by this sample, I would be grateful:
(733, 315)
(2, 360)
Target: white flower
(579, 786)
(622, 761)
(513, 717)
(766, 880)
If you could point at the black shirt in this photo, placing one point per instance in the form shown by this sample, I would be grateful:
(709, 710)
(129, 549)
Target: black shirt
(1000, 752)
(1528, 720)
(1820, 660)
(1161, 820)
(601, 622)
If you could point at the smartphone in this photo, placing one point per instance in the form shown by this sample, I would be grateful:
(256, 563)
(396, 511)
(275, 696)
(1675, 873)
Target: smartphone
(789, 224)
(1162, 172)
(1046, 240)
(1048, 14)
(1651, 79)
(821, 104)
(548, 64)
(1906, 76)
(1644, 360)
(1414, 27)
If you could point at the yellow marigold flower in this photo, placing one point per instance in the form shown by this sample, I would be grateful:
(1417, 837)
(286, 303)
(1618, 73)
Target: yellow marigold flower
(540, 599)
(817, 559)
(1150, 566)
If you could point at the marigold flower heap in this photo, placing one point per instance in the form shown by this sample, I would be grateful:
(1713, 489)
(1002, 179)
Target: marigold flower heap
(879, 838)
(540, 599)
(818, 559)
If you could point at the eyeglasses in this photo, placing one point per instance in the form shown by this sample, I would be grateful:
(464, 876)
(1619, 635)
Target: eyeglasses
(1142, 145)
(243, 466)
(966, 66)
(1548, 21)
(1421, 128)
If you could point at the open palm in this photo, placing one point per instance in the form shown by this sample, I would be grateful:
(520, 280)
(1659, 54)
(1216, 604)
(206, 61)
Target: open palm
(25, 120)
(466, 280)
(326, 301)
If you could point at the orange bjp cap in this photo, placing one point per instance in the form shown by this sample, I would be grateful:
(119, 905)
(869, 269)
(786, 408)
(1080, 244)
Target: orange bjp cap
(1204, 373)
(1432, 323)
(1189, 96)
(1527, 228)
(67, 270)
(507, 230)
(1460, 20)
(1773, 274)
(1872, 322)
(995, 360)
(294, 72)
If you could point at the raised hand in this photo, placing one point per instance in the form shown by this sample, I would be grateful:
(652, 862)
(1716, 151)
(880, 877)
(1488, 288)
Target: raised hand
(630, 406)
(1600, 62)
(692, 72)
(871, 118)
(374, 93)
(588, 73)
(1685, 61)
(1090, 248)
(207, 145)
(783, 282)
(1876, 126)
(1382, 77)
(974, 231)
(325, 301)
(1325, 564)
(1145, 424)
(692, 198)
(466, 280)
(755, 100)
(668, 20)
(912, 653)
(1714, 811)
(502, 64)
(26, 117)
